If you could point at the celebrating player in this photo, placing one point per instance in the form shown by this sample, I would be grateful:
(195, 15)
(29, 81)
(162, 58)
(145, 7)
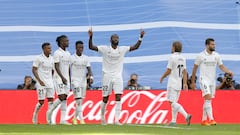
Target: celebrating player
(112, 67)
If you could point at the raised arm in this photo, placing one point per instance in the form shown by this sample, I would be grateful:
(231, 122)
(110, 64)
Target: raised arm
(136, 46)
(90, 43)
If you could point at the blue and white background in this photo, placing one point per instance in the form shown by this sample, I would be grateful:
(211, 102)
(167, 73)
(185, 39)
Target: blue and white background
(26, 24)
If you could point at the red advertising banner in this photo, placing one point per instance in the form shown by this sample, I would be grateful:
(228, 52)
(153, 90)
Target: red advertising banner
(138, 107)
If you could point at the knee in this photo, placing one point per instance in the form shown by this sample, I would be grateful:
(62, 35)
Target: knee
(41, 102)
(50, 99)
(105, 99)
(118, 97)
(62, 97)
(208, 97)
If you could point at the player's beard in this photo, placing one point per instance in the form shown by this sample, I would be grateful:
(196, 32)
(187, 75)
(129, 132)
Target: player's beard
(115, 43)
(211, 49)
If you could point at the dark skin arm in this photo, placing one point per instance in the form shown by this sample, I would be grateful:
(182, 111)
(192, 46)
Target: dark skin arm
(137, 45)
(132, 48)
(90, 43)
(89, 71)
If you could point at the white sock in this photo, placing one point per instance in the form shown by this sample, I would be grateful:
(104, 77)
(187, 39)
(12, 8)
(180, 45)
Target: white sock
(78, 112)
(103, 109)
(208, 108)
(50, 103)
(182, 111)
(175, 108)
(117, 110)
(204, 116)
(63, 110)
(54, 105)
(37, 108)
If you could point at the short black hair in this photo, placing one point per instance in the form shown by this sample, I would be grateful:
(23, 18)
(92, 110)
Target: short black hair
(114, 35)
(45, 44)
(78, 42)
(59, 38)
(208, 40)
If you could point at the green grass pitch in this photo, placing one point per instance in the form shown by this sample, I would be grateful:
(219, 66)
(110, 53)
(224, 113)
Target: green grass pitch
(134, 129)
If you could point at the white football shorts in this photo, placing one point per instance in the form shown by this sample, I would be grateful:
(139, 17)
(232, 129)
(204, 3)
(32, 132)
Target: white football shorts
(207, 89)
(44, 92)
(173, 95)
(112, 83)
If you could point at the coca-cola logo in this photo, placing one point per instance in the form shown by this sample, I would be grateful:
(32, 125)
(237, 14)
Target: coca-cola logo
(138, 107)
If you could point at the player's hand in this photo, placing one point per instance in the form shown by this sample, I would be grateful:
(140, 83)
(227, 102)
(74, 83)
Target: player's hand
(193, 86)
(41, 83)
(142, 32)
(64, 81)
(161, 80)
(90, 33)
(185, 87)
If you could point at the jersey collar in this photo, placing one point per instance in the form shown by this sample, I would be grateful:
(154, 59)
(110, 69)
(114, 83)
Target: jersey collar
(205, 51)
(44, 56)
(62, 49)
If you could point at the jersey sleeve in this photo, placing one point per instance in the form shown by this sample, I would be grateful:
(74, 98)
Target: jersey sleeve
(170, 63)
(185, 64)
(219, 60)
(126, 49)
(36, 62)
(71, 59)
(88, 62)
(198, 60)
(52, 61)
(56, 57)
(101, 49)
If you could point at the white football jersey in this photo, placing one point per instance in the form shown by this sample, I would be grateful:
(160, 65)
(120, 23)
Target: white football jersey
(63, 58)
(177, 63)
(113, 59)
(79, 66)
(207, 64)
(44, 66)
